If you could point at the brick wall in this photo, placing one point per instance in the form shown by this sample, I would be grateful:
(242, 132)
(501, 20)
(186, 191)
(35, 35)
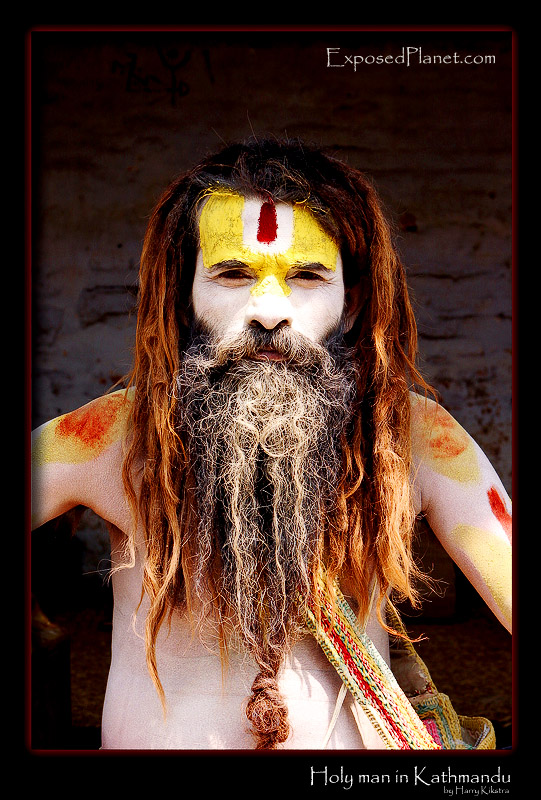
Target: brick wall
(117, 116)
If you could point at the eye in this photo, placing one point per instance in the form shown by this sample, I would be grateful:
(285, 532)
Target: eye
(233, 276)
(307, 276)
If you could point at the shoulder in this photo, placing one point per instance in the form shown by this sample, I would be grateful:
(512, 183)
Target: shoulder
(441, 443)
(76, 460)
(433, 427)
(86, 432)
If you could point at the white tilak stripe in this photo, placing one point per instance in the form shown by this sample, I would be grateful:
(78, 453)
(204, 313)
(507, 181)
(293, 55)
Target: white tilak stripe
(250, 221)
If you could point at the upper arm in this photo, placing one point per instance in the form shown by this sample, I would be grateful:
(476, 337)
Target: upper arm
(69, 452)
(465, 503)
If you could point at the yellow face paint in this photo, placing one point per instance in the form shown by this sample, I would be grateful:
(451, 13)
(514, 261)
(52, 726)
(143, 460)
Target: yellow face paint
(82, 434)
(491, 557)
(268, 238)
(445, 445)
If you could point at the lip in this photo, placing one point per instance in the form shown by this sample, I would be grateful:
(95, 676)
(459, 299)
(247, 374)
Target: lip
(269, 355)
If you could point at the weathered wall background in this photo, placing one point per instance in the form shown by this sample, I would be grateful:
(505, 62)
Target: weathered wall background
(117, 115)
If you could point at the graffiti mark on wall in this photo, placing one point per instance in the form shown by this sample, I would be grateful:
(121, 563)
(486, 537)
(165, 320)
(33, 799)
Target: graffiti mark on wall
(166, 82)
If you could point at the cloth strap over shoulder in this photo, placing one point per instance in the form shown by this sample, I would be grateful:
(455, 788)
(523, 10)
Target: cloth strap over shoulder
(423, 720)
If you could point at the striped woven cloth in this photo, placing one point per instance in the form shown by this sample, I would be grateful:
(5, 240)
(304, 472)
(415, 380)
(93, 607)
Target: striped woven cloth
(365, 673)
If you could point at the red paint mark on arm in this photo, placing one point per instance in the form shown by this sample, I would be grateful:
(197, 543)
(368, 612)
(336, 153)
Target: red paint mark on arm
(447, 446)
(91, 424)
(499, 510)
(268, 223)
(447, 439)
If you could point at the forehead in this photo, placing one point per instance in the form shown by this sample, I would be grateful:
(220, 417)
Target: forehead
(232, 226)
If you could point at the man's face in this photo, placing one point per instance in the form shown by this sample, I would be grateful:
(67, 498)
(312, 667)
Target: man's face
(265, 265)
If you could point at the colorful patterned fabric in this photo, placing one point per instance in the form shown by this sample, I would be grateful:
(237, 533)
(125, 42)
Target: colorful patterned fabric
(451, 730)
(428, 722)
(366, 675)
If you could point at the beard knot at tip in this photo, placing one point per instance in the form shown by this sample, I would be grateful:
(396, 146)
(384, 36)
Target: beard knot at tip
(267, 712)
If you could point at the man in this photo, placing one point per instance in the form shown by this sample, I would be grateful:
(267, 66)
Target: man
(261, 475)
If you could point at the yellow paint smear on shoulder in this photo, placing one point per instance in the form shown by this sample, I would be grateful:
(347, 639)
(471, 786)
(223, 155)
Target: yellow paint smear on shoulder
(491, 557)
(443, 443)
(83, 434)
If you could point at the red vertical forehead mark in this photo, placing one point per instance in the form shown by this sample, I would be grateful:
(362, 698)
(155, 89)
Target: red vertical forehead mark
(268, 224)
(499, 510)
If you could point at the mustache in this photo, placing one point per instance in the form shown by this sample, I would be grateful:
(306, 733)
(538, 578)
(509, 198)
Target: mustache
(291, 346)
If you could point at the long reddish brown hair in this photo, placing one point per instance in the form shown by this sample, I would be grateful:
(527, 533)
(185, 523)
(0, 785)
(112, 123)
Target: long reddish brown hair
(372, 534)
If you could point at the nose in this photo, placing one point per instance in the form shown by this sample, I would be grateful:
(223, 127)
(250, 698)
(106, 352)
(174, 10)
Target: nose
(269, 311)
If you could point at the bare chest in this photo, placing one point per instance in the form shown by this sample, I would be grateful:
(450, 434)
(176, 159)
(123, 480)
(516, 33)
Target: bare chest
(206, 698)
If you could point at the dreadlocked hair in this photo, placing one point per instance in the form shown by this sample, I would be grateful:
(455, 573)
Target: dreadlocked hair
(374, 520)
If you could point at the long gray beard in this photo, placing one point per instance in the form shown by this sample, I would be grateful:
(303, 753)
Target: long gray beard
(266, 440)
